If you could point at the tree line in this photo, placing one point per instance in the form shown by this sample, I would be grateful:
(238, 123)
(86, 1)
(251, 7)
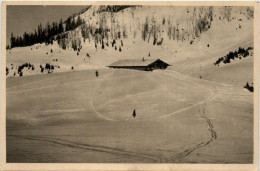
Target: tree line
(45, 34)
(232, 55)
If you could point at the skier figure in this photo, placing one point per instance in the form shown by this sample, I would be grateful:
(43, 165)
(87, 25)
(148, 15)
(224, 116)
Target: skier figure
(134, 113)
(96, 73)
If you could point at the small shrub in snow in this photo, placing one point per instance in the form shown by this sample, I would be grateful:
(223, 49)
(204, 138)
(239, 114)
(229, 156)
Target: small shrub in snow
(20, 68)
(29, 65)
(7, 70)
(154, 41)
(160, 42)
(241, 50)
(250, 48)
(163, 22)
(47, 66)
(249, 88)
(102, 46)
(114, 42)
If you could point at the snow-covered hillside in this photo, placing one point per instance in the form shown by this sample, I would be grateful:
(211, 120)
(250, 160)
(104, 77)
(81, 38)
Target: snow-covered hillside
(173, 34)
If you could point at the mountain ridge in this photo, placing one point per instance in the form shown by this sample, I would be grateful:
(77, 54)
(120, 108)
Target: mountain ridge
(171, 33)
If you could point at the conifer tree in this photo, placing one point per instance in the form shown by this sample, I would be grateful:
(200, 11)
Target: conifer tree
(60, 29)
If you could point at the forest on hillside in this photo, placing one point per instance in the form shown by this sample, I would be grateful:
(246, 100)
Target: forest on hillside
(45, 34)
(105, 25)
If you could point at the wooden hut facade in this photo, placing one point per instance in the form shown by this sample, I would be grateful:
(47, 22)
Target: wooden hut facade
(140, 64)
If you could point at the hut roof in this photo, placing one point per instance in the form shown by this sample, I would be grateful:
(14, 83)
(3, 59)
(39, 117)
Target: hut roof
(134, 62)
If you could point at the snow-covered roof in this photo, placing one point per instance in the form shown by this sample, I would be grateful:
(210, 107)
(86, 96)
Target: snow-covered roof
(133, 62)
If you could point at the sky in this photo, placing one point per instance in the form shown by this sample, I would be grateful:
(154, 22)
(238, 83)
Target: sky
(26, 18)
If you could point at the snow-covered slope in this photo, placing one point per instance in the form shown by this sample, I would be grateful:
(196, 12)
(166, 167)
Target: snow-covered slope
(174, 34)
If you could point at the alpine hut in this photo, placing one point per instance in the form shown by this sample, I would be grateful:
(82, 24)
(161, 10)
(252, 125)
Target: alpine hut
(140, 64)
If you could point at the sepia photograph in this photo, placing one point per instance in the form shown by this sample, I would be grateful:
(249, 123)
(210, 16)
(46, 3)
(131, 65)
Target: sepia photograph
(130, 83)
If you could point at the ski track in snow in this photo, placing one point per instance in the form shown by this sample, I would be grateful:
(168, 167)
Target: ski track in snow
(96, 148)
(181, 155)
(176, 157)
(180, 77)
